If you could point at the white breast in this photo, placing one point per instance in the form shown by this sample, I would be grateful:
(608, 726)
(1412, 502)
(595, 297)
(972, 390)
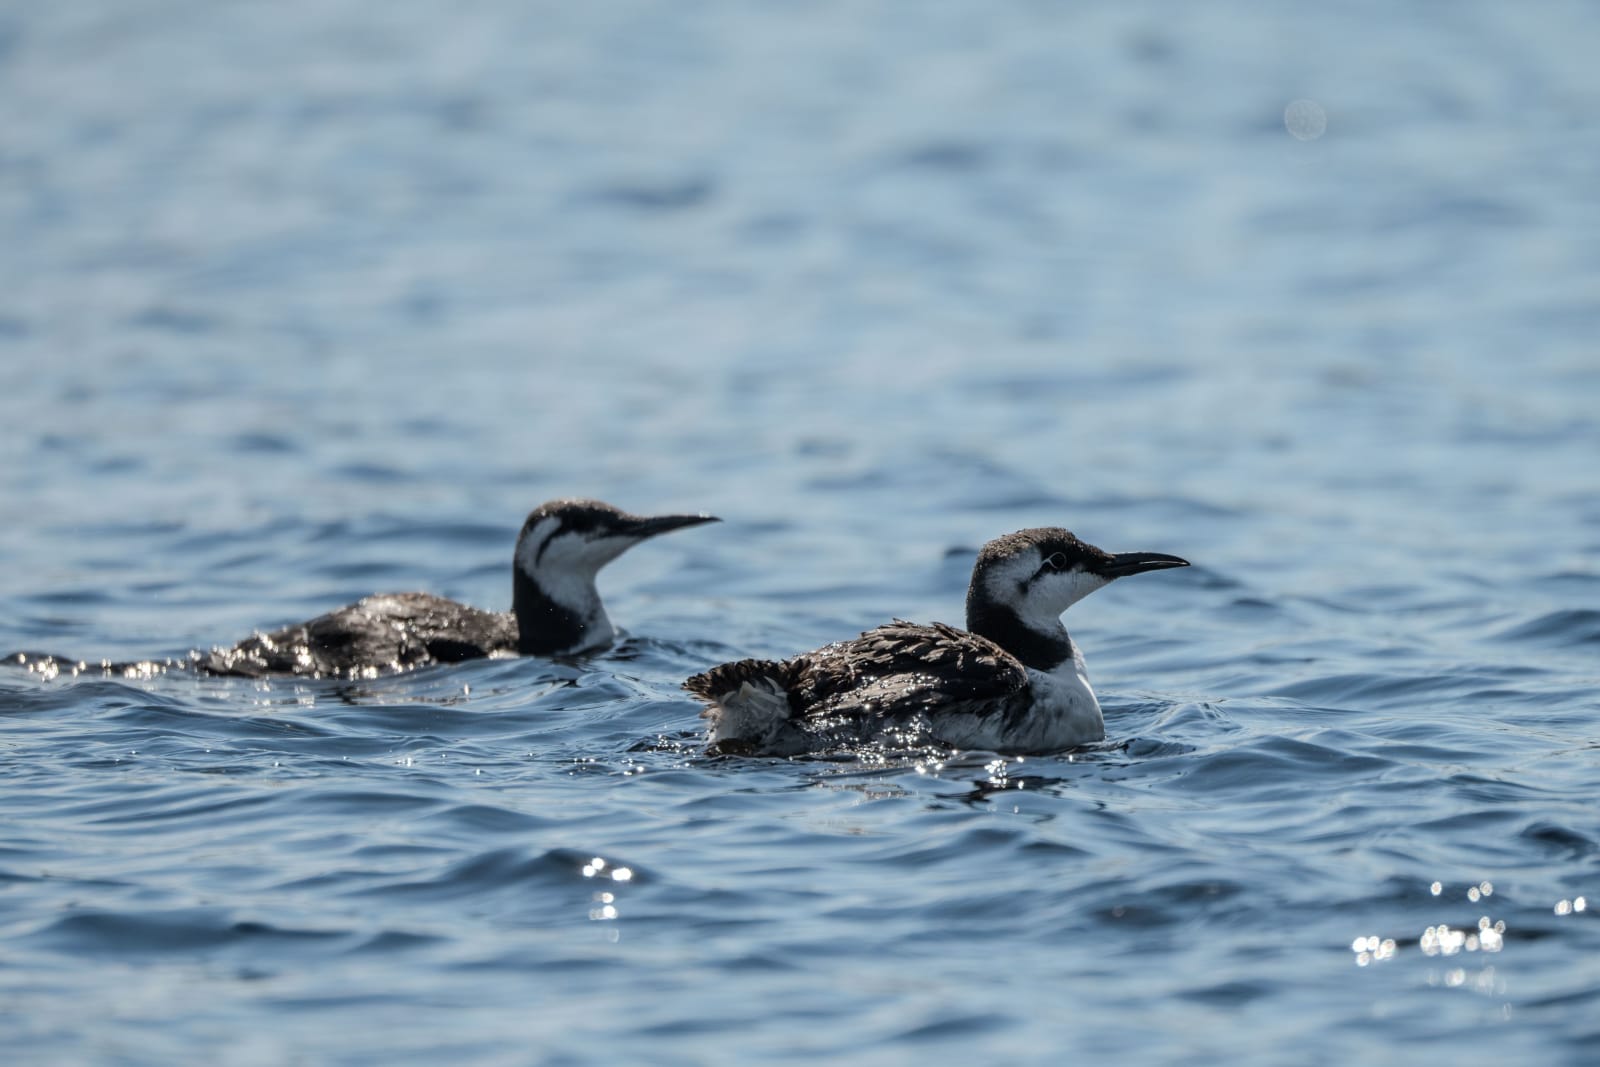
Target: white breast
(1064, 714)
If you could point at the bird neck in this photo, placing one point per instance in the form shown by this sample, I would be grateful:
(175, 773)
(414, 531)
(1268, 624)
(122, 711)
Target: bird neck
(1041, 649)
(553, 621)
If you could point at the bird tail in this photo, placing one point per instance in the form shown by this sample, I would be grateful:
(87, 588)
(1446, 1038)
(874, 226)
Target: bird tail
(747, 703)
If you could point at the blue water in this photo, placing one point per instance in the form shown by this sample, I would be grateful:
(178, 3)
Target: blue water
(306, 300)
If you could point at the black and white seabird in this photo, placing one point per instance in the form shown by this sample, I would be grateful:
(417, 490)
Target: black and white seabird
(555, 609)
(1012, 681)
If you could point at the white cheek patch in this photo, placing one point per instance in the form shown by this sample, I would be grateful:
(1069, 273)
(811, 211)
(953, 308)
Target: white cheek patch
(566, 570)
(1004, 581)
(1039, 598)
(528, 547)
(1055, 593)
(577, 552)
(1075, 585)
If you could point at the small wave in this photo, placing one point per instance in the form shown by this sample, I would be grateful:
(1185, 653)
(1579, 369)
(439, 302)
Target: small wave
(181, 806)
(117, 933)
(511, 868)
(1227, 994)
(1176, 902)
(395, 941)
(959, 1025)
(1569, 626)
(1370, 690)
(477, 820)
(1562, 840)
(664, 196)
(1277, 763)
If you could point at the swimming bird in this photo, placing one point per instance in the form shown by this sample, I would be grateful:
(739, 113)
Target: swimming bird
(1012, 681)
(555, 609)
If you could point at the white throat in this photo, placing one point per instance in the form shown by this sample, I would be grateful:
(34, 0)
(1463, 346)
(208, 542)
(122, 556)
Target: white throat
(1038, 601)
(565, 571)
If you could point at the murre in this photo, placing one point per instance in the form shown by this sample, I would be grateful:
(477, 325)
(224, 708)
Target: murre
(1012, 681)
(555, 610)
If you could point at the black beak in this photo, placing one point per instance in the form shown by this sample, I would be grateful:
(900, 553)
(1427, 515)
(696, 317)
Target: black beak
(1125, 563)
(659, 524)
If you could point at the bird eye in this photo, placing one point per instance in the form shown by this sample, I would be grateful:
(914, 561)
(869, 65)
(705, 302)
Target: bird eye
(1056, 562)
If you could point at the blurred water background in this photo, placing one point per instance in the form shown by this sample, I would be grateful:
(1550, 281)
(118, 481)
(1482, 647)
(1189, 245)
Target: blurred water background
(305, 300)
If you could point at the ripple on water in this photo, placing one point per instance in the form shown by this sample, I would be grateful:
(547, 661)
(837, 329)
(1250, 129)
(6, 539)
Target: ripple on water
(1565, 628)
(510, 869)
(1559, 840)
(1375, 690)
(1279, 764)
(166, 932)
(894, 299)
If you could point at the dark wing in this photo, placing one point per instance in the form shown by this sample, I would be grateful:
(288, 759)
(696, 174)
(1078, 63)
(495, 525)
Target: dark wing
(905, 668)
(383, 633)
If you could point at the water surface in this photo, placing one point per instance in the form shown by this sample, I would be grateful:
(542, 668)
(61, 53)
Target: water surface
(304, 301)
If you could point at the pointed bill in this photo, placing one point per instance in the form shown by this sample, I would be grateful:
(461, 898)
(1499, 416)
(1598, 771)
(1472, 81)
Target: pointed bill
(650, 526)
(1123, 564)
